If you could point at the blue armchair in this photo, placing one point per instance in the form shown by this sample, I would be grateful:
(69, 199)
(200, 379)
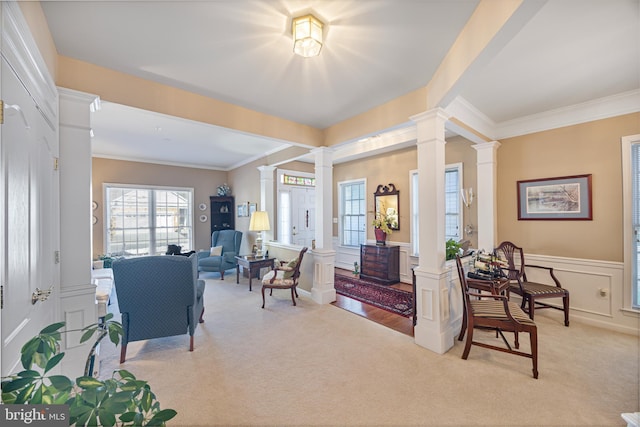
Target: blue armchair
(229, 241)
(158, 296)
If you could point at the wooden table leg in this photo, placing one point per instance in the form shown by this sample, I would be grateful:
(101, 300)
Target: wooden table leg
(250, 276)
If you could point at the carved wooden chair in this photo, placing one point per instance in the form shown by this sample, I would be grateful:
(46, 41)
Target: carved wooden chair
(495, 312)
(284, 276)
(531, 292)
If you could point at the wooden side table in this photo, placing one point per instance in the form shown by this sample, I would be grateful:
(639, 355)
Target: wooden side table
(251, 263)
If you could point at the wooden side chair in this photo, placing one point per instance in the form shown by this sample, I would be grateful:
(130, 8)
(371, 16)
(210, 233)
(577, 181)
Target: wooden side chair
(284, 276)
(495, 312)
(531, 292)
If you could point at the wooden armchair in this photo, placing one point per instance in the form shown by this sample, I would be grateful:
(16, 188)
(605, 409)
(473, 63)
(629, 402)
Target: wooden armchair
(531, 292)
(495, 312)
(284, 276)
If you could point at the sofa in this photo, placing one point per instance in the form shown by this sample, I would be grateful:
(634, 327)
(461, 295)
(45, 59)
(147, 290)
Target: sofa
(225, 246)
(158, 296)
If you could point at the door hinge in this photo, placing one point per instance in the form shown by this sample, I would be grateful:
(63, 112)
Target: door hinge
(1, 112)
(1, 297)
(55, 163)
(56, 257)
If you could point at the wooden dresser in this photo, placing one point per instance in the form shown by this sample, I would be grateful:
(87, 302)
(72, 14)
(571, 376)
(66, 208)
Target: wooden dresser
(380, 263)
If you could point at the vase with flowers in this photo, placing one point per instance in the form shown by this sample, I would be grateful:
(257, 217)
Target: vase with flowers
(382, 224)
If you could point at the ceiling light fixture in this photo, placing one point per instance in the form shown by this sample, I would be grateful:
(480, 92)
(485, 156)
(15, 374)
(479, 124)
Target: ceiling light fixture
(307, 35)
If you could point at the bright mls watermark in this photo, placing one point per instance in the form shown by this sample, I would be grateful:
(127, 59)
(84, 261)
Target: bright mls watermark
(34, 415)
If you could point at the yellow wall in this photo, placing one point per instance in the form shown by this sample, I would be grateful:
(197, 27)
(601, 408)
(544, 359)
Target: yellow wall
(394, 168)
(34, 16)
(589, 148)
(204, 182)
(459, 150)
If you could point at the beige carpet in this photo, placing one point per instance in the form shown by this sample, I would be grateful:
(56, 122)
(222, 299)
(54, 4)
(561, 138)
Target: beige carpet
(320, 365)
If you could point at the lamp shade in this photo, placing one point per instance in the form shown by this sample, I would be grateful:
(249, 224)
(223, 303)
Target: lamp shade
(307, 36)
(259, 221)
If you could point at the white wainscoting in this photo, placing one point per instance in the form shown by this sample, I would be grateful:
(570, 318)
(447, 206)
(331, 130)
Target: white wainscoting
(596, 287)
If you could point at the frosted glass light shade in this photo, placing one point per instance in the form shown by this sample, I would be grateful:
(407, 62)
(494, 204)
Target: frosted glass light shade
(307, 36)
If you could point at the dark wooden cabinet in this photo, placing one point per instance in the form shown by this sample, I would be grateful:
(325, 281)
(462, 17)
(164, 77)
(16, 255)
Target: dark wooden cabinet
(380, 263)
(222, 213)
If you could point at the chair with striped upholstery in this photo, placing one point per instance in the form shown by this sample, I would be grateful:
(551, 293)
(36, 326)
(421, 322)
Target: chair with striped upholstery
(531, 292)
(495, 312)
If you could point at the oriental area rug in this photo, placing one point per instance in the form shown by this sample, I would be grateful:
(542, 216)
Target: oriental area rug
(390, 299)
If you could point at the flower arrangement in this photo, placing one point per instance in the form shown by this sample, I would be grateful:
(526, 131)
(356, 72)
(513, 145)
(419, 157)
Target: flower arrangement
(385, 222)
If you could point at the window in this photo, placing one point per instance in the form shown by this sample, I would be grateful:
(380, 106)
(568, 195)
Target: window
(144, 221)
(352, 212)
(453, 217)
(635, 214)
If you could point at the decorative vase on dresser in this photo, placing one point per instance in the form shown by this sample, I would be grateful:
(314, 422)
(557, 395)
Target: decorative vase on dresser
(381, 236)
(380, 263)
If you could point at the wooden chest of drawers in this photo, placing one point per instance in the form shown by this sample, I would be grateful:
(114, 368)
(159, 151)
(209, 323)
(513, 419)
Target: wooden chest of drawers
(380, 263)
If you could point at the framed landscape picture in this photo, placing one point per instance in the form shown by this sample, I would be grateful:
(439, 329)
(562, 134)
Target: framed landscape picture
(561, 198)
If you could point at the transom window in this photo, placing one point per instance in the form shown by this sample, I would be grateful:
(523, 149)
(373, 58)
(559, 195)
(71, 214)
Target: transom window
(145, 220)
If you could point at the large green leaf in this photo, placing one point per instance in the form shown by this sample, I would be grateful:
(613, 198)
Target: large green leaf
(89, 382)
(17, 384)
(52, 328)
(53, 362)
(29, 373)
(60, 382)
(25, 393)
(88, 334)
(107, 418)
(162, 417)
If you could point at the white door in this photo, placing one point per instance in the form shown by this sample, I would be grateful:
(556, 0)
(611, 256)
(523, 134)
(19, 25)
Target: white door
(303, 214)
(29, 186)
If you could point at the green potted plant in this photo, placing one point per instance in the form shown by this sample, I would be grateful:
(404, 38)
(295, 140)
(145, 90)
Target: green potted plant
(452, 249)
(121, 400)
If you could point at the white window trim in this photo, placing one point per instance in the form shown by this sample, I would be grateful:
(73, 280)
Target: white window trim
(627, 205)
(105, 185)
(461, 220)
(341, 209)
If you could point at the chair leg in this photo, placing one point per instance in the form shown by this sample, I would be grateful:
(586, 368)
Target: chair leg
(565, 303)
(532, 307)
(123, 352)
(292, 295)
(533, 336)
(222, 275)
(467, 346)
(191, 343)
(263, 297)
(516, 341)
(201, 320)
(295, 288)
(464, 325)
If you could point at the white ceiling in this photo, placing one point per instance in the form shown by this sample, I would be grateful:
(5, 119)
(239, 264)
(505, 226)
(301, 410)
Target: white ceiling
(240, 51)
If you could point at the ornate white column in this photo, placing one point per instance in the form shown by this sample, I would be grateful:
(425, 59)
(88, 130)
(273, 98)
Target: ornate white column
(486, 194)
(433, 329)
(267, 199)
(323, 291)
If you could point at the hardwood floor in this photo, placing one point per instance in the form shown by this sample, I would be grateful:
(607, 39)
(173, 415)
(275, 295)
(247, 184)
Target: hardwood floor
(375, 314)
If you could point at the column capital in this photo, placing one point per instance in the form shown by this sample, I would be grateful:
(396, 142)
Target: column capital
(494, 145)
(435, 113)
(266, 169)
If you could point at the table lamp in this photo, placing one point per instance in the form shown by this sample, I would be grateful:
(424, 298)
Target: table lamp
(259, 222)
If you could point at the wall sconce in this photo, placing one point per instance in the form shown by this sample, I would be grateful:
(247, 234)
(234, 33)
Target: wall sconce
(467, 199)
(307, 36)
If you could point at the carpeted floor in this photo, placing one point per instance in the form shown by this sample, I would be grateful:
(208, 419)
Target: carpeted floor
(323, 366)
(390, 299)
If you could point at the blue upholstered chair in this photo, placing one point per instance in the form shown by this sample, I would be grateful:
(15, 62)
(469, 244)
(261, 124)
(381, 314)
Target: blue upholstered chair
(229, 242)
(158, 296)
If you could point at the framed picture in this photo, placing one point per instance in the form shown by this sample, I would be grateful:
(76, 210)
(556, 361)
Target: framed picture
(242, 210)
(561, 198)
(252, 208)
